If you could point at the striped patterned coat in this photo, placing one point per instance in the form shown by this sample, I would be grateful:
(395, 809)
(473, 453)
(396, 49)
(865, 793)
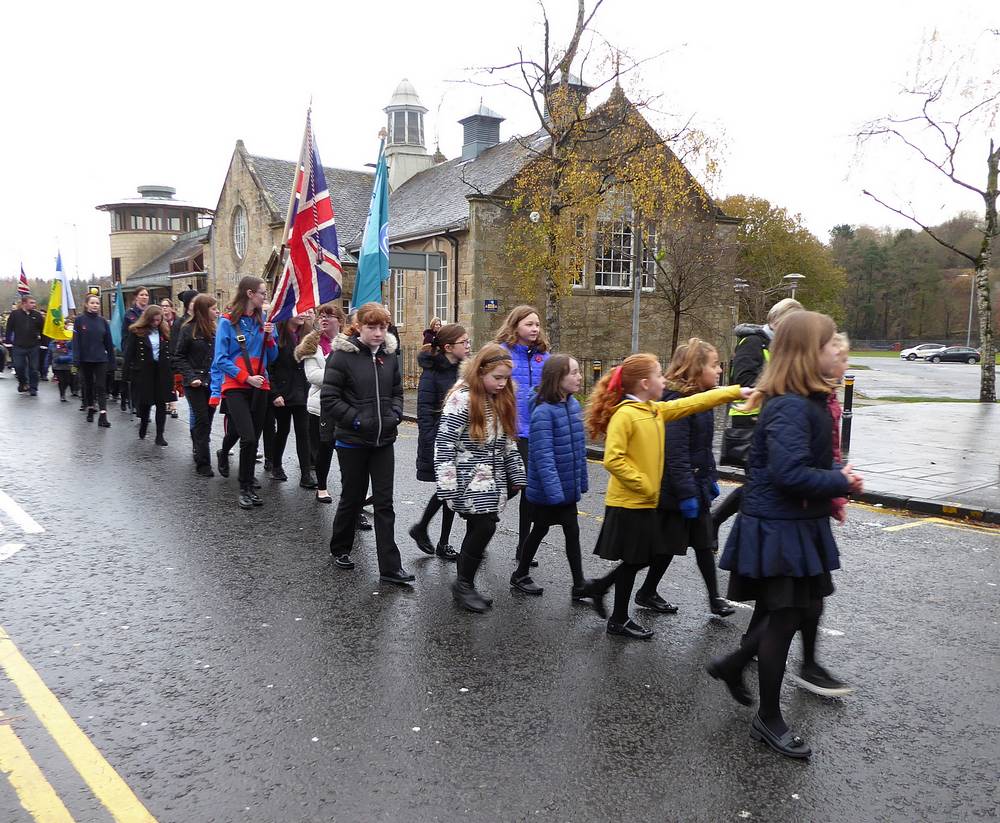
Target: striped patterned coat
(473, 477)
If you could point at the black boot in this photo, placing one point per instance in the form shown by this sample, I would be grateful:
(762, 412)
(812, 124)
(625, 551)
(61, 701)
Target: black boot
(418, 531)
(278, 473)
(143, 428)
(245, 500)
(102, 420)
(90, 415)
(467, 597)
(307, 480)
(223, 458)
(159, 440)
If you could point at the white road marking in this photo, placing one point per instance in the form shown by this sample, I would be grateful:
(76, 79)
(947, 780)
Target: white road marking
(822, 630)
(19, 515)
(8, 550)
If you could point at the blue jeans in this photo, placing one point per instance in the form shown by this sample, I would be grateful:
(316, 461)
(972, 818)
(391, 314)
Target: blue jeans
(26, 366)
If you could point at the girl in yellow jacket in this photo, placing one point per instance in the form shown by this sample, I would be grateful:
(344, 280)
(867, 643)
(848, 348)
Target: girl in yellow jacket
(622, 408)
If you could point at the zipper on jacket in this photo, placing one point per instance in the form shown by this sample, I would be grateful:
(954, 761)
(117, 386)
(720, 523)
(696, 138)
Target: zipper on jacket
(378, 398)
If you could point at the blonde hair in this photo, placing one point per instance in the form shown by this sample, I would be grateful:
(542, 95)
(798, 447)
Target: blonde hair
(508, 331)
(794, 366)
(612, 388)
(780, 310)
(686, 366)
(504, 402)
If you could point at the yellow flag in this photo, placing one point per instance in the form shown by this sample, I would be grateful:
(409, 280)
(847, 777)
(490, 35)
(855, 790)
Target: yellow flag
(55, 326)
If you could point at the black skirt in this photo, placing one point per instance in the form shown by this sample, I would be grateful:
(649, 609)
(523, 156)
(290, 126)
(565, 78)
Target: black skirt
(680, 533)
(780, 592)
(630, 535)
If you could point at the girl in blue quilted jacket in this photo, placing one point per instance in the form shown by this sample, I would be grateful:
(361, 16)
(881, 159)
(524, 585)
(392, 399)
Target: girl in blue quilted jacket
(522, 335)
(557, 471)
(781, 551)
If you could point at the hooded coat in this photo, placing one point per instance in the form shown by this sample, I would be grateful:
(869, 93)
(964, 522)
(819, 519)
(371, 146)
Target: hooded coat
(438, 376)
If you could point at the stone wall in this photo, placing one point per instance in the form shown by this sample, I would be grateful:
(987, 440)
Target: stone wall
(137, 248)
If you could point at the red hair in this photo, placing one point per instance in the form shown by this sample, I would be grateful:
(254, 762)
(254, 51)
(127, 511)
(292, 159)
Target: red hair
(612, 388)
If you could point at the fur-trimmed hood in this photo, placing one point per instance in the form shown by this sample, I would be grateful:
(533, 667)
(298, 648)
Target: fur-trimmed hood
(307, 346)
(353, 344)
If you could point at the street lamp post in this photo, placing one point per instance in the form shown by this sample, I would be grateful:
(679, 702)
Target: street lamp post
(739, 286)
(793, 281)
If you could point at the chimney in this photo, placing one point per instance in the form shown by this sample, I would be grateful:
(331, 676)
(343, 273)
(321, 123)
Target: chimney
(480, 131)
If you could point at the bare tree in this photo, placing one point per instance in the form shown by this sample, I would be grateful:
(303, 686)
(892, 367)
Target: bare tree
(948, 114)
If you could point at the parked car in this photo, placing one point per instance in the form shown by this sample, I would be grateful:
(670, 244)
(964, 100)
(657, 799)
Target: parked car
(956, 354)
(922, 351)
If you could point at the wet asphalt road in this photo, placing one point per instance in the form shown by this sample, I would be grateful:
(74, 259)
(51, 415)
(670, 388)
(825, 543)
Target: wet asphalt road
(893, 377)
(229, 672)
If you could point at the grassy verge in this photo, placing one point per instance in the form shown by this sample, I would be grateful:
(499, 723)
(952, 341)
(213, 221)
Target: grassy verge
(897, 398)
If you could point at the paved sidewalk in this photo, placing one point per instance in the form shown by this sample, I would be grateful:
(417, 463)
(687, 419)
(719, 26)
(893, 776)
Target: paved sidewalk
(939, 458)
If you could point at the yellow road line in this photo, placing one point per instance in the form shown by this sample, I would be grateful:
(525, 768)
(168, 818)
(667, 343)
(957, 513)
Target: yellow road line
(104, 781)
(944, 524)
(35, 792)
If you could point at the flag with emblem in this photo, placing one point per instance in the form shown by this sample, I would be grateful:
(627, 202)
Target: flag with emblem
(23, 289)
(312, 274)
(60, 305)
(373, 261)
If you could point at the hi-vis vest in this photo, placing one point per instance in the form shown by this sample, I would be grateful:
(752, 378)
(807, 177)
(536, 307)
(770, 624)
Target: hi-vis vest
(734, 412)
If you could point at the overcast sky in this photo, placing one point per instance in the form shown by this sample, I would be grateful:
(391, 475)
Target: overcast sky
(101, 97)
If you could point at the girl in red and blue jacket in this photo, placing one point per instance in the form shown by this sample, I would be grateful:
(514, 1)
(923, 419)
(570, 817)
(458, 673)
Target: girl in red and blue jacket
(244, 346)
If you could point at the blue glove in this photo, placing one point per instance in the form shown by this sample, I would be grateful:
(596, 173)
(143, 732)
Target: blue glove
(716, 491)
(689, 508)
(356, 425)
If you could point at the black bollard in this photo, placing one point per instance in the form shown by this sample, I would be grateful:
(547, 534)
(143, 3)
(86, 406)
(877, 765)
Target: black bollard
(845, 424)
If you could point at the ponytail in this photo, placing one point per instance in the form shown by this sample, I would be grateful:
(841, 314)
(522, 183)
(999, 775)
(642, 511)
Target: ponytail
(612, 388)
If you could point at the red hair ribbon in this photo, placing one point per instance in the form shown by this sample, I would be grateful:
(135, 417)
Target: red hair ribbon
(615, 384)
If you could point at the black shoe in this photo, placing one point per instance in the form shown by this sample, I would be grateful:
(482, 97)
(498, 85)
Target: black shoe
(596, 592)
(62, 399)
(83, 407)
(525, 584)
(789, 744)
(718, 669)
(819, 681)
(143, 428)
(267, 465)
(364, 524)
(245, 500)
(654, 602)
(278, 473)
(90, 415)
(102, 421)
(223, 459)
(307, 481)
(173, 414)
(204, 471)
(160, 441)
(446, 552)
(468, 598)
(421, 538)
(343, 561)
(256, 498)
(325, 500)
(720, 606)
(401, 577)
(630, 629)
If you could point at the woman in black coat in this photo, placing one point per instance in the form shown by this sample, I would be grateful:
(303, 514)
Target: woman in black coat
(147, 366)
(193, 361)
(93, 354)
(440, 361)
(690, 479)
(287, 405)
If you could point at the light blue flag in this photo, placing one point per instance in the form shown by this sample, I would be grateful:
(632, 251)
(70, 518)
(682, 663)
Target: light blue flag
(373, 262)
(117, 317)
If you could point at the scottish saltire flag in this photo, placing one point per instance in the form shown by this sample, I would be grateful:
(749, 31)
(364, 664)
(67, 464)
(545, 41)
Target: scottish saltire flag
(117, 318)
(60, 305)
(373, 263)
(22, 284)
(312, 274)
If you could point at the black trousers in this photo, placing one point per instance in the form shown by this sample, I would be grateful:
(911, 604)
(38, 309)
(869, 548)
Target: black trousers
(357, 467)
(284, 418)
(525, 509)
(95, 387)
(161, 418)
(479, 531)
(246, 411)
(197, 397)
(63, 378)
(321, 453)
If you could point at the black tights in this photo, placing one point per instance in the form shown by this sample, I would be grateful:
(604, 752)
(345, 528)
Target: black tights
(706, 565)
(727, 508)
(447, 519)
(623, 579)
(479, 530)
(809, 627)
(546, 517)
(160, 417)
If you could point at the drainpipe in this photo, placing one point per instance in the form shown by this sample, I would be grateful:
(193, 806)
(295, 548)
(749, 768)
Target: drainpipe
(454, 253)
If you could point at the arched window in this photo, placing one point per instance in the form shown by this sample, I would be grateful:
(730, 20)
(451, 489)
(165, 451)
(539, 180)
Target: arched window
(240, 232)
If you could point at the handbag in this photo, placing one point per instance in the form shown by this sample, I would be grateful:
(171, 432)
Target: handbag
(736, 446)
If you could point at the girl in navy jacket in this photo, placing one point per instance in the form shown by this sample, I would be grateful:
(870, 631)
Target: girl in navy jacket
(781, 550)
(690, 479)
(557, 470)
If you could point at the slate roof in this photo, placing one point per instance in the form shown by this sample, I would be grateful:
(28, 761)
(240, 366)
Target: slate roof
(350, 192)
(157, 271)
(437, 198)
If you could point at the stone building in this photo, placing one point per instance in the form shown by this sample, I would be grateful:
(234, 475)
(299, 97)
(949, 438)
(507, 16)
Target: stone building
(451, 215)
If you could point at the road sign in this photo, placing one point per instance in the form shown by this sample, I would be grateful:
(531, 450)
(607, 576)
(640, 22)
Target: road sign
(491, 306)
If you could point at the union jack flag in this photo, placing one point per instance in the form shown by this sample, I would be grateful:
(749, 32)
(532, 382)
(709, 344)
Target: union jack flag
(23, 288)
(312, 274)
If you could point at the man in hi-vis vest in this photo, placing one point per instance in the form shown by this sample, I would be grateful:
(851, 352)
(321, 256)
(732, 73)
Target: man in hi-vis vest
(749, 358)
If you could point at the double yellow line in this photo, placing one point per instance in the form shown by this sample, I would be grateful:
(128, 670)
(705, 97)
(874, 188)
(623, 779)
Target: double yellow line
(35, 792)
